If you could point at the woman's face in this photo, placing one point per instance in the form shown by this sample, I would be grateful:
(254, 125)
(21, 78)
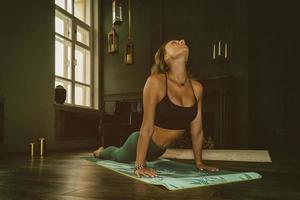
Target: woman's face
(175, 49)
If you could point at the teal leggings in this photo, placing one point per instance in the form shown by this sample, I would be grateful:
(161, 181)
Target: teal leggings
(127, 153)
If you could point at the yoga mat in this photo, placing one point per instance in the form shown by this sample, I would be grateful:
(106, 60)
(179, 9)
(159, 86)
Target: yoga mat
(177, 175)
(220, 154)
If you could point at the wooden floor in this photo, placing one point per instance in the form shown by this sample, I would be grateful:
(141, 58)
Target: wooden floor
(61, 176)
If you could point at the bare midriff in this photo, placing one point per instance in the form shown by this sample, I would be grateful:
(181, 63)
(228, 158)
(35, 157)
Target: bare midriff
(165, 137)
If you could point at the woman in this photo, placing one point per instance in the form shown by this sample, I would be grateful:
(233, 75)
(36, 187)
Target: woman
(171, 103)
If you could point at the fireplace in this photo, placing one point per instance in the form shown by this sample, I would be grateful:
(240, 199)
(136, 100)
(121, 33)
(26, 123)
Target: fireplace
(216, 114)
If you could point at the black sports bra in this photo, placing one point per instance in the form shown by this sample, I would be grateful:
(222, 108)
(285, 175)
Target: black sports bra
(171, 116)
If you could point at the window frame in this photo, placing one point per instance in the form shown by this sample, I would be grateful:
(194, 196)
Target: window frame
(90, 47)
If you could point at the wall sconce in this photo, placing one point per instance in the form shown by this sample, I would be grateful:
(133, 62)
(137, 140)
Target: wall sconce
(113, 41)
(117, 12)
(220, 53)
(128, 52)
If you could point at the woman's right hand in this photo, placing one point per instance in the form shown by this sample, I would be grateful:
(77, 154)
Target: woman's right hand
(148, 172)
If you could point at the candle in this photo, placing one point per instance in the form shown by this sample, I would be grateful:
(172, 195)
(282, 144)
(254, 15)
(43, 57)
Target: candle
(129, 58)
(219, 49)
(214, 52)
(225, 50)
(114, 10)
(112, 47)
(120, 12)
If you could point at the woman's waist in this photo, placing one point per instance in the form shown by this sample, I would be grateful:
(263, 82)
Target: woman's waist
(165, 137)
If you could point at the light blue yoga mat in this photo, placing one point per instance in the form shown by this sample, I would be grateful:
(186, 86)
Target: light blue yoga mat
(177, 175)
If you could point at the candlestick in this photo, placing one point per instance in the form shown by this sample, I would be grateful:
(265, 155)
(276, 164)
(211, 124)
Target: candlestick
(31, 148)
(42, 146)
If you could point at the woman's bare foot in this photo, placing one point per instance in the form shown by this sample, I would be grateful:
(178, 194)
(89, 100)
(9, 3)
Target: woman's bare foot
(97, 152)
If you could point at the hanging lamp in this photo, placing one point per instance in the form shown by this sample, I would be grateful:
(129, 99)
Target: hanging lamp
(113, 40)
(117, 12)
(128, 57)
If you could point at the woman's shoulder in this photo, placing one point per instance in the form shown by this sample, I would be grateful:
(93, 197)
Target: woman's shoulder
(197, 84)
(198, 87)
(153, 85)
(155, 79)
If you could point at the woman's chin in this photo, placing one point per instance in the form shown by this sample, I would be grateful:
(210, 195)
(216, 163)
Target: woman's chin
(181, 53)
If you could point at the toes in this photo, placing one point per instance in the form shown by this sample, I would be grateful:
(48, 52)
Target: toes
(96, 154)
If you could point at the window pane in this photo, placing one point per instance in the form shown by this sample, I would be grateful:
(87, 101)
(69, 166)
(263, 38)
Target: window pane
(62, 57)
(67, 86)
(63, 24)
(82, 95)
(83, 65)
(82, 10)
(82, 36)
(65, 4)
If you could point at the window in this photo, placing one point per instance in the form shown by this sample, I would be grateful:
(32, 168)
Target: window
(75, 61)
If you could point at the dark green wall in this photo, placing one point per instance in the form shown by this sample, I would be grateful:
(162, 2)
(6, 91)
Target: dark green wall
(27, 60)
(27, 75)
(118, 77)
(274, 30)
(122, 81)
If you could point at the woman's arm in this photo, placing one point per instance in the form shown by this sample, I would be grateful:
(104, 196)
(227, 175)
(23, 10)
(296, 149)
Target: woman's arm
(197, 134)
(150, 99)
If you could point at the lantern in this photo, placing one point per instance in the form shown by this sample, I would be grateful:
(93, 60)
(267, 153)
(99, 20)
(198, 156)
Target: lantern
(113, 41)
(128, 59)
(117, 12)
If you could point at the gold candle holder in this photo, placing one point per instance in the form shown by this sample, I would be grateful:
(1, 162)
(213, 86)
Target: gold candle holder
(42, 146)
(31, 148)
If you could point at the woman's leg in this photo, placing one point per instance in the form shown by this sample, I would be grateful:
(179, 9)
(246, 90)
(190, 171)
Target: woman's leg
(126, 153)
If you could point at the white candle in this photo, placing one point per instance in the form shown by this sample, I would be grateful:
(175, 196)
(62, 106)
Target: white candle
(120, 11)
(225, 50)
(129, 58)
(114, 10)
(219, 49)
(214, 52)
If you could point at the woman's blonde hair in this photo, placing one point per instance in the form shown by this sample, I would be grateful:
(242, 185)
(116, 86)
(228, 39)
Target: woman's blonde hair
(160, 66)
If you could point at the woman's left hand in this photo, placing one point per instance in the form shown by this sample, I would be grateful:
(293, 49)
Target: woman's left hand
(202, 166)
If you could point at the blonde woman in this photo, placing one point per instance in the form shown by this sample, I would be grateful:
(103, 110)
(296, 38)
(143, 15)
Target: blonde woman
(172, 102)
